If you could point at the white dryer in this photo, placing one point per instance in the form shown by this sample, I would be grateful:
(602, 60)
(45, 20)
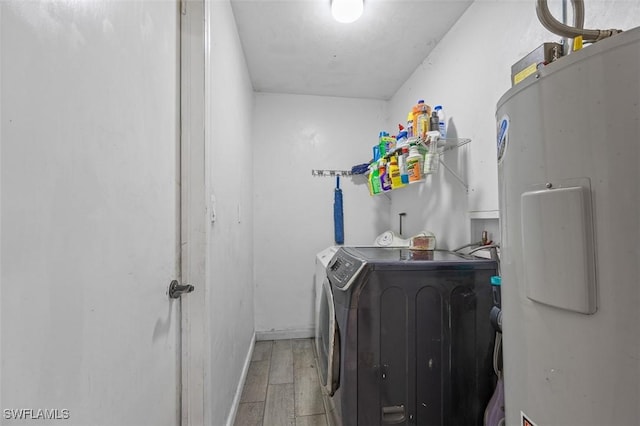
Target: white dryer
(322, 260)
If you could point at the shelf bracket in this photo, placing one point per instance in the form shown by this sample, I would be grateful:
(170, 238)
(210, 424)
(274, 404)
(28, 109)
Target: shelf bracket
(455, 175)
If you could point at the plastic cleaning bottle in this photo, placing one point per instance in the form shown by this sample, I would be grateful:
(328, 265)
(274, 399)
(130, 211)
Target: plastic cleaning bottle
(421, 114)
(391, 143)
(382, 143)
(433, 121)
(394, 173)
(402, 165)
(385, 180)
(442, 121)
(374, 177)
(415, 111)
(401, 139)
(387, 143)
(370, 179)
(432, 157)
(414, 165)
(410, 125)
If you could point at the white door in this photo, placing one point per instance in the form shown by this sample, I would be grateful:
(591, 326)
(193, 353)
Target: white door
(90, 212)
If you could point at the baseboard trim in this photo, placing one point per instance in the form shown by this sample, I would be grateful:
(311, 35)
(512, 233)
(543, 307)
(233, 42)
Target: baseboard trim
(302, 333)
(243, 377)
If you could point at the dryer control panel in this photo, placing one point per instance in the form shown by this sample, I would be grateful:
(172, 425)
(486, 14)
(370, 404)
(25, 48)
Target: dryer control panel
(342, 269)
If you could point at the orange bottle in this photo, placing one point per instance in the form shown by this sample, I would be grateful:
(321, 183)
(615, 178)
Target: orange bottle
(421, 113)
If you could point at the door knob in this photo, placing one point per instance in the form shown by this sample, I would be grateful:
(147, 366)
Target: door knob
(176, 289)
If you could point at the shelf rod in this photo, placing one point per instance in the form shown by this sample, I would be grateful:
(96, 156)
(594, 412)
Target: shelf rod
(455, 175)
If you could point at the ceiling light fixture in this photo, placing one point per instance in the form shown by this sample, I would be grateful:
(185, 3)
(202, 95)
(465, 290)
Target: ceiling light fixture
(346, 11)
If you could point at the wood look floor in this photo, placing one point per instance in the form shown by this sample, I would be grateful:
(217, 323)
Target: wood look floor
(282, 386)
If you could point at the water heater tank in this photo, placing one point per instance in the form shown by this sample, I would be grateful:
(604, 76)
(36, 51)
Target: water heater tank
(569, 184)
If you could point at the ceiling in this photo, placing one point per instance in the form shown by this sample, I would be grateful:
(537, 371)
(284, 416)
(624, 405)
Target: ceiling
(295, 46)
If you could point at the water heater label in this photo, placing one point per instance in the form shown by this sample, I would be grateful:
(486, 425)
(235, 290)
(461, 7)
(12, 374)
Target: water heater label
(503, 136)
(525, 420)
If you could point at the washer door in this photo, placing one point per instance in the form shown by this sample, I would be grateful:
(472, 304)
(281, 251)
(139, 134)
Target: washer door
(327, 341)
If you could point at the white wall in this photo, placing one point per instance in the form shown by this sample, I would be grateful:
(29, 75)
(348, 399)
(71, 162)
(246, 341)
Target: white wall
(467, 72)
(293, 210)
(291, 135)
(230, 257)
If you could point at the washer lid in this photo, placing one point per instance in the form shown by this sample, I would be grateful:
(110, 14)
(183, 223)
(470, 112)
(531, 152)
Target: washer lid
(401, 255)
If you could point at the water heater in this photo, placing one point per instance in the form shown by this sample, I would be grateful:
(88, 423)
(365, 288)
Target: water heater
(569, 178)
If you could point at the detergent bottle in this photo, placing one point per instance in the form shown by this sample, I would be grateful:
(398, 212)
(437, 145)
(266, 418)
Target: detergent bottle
(401, 139)
(410, 125)
(391, 143)
(402, 165)
(433, 121)
(382, 143)
(421, 115)
(394, 172)
(414, 165)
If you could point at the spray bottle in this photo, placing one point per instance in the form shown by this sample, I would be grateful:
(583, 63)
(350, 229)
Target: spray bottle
(370, 179)
(385, 179)
(432, 158)
(374, 176)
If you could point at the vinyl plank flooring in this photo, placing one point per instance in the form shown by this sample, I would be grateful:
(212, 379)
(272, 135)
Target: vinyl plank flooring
(255, 387)
(317, 420)
(279, 407)
(262, 350)
(302, 345)
(281, 363)
(308, 395)
(282, 386)
(250, 414)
